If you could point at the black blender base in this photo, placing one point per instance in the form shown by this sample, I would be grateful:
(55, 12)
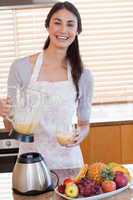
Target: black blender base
(22, 137)
(33, 192)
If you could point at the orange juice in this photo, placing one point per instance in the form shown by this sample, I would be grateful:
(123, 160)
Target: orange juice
(25, 128)
(64, 139)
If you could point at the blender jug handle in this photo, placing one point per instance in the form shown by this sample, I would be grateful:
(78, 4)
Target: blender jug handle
(10, 116)
(10, 119)
(57, 178)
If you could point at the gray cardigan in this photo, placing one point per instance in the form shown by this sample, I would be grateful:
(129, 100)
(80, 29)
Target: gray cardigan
(20, 74)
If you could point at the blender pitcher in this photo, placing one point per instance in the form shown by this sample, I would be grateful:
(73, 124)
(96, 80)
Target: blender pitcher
(25, 115)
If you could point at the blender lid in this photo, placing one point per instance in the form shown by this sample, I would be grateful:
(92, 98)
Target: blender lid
(30, 157)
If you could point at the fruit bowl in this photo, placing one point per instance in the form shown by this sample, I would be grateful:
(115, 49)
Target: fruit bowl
(96, 181)
(96, 197)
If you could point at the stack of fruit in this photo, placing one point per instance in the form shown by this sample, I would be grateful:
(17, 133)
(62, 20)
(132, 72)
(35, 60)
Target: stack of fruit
(95, 179)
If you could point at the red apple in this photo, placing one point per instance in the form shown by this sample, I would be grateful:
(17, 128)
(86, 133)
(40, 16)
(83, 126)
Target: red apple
(67, 181)
(108, 186)
(121, 179)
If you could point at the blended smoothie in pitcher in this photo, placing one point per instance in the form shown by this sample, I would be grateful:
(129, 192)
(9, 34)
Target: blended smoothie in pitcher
(25, 128)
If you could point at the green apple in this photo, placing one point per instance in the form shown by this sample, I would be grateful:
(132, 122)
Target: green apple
(71, 190)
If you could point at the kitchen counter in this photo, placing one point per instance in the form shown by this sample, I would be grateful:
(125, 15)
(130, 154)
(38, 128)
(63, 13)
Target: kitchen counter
(105, 114)
(7, 194)
(112, 114)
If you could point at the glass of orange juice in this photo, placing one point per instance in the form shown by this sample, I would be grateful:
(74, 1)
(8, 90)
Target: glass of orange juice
(65, 134)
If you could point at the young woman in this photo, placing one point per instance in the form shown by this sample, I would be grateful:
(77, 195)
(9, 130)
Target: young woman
(58, 72)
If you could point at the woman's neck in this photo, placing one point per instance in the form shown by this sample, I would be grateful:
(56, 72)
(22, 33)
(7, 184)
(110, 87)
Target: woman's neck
(55, 56)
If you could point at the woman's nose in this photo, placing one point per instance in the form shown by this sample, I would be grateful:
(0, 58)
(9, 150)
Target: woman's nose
(63, 29)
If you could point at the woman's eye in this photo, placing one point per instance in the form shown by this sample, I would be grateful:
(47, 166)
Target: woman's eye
(70, 25)
(57, 23)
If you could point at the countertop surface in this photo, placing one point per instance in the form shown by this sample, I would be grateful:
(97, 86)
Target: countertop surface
(7, 194)
(112, 114)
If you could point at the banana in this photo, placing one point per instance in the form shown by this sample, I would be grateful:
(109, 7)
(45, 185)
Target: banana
(118, 167)
(82, 173)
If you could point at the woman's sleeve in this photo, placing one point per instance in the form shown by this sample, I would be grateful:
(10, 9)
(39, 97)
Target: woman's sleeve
(14, 80)
(85, 96)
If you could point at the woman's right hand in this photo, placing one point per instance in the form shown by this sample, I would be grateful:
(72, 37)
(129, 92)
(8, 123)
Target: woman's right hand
(5, 107)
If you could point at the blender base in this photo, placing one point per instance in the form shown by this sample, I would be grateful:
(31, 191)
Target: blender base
(33, 192)
(22, 137)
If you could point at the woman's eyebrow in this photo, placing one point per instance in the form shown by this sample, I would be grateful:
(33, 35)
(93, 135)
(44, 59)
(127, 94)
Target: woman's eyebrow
(69, 21)
(58, 19)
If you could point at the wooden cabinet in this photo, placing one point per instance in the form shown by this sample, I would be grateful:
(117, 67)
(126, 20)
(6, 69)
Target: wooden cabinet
(127, 143)
(102, 144)
(85, 146)
(109, 143)
(105, 144)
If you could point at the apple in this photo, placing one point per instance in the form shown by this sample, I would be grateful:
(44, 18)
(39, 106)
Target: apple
(71, 190)
(108, 186)
(67, 181)
(121, 179)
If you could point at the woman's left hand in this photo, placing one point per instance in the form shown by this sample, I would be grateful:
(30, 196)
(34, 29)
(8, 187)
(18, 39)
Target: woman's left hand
(79, 135)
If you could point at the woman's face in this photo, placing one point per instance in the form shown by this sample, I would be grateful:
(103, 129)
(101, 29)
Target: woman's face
(62, 28)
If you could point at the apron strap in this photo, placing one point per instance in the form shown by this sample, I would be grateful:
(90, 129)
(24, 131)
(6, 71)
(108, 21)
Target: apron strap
(69, 74)
(37, 67)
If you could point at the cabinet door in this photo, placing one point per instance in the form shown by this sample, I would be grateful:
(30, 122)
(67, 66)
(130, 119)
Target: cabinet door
(102, 144)
(85, 146)
(127, 143)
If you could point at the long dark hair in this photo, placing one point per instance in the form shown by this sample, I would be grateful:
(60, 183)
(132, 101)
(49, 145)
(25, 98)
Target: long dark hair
(73, 54)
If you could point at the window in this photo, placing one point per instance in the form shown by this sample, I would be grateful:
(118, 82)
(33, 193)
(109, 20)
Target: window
(107, 47)
(22, 33)
(106, 44)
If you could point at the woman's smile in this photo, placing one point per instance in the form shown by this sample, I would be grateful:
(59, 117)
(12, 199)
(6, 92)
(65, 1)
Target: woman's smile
(62, 37)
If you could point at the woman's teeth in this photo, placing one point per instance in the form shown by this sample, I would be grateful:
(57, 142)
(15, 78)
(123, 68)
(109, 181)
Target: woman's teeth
(62, 37)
